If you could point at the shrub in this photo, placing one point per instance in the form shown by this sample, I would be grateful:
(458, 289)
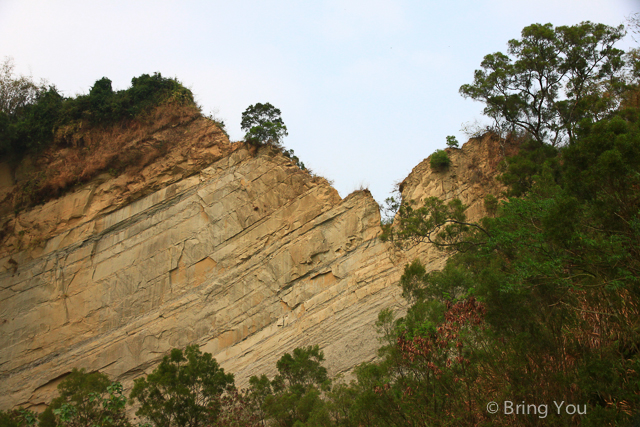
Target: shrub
(296, 160)
(439, 160)
(29, 124)
(17, 418)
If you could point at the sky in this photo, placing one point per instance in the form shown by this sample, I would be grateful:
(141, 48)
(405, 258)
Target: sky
(367, 88)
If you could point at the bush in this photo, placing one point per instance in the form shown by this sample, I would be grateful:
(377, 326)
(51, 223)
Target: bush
(28, 126)
(440, 160)
(17, 418)
(296, 160)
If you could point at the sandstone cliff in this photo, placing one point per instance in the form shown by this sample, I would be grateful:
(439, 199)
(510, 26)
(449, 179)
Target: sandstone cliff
(249, 257)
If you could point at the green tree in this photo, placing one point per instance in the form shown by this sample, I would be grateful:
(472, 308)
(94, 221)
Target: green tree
(434, 221)
(263, 125)
(184, 390)
(293, 397)
(452, 142)
(519, 170)
(551, 267)
(34, 126)
(86, 399)
(109, 410)
(551, 79)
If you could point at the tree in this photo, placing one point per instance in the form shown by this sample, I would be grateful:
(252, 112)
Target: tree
(452, 142)
(293, 396)
(16, 91)
(184, 390)
(109, 410)
(442, 224)
(551, 79)
(550, 284)
(86, 399)
(263, 125)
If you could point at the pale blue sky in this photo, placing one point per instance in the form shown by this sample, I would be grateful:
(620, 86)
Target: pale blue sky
(367, 89)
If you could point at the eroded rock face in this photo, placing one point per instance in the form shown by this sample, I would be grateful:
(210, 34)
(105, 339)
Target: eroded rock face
(249, 258)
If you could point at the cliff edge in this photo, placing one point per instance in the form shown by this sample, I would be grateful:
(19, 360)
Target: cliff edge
(240, 252)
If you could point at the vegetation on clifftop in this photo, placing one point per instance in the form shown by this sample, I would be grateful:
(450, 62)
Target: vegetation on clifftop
(54, 142)
(33, 115)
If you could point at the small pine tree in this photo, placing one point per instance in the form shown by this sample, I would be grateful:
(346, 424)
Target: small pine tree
(452, 142)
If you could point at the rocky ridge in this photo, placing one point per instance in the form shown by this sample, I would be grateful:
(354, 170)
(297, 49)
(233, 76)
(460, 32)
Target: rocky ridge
(249, 257)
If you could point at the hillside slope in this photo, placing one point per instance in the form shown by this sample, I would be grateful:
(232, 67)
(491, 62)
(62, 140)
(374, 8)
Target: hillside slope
(249, 257)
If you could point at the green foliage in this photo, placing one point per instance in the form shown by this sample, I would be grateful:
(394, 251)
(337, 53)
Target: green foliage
(521, 170)
(103, 106)
(18, 418)
(289, 154)
(184, 390)
(439, 160)
(442, 224)
(491, 204)
(551, 79)
(452, 142)
(263, 125)
(551, 267)
(86, 399)
(109, 410)
(293, 397)
(390, 207)
(30, 116)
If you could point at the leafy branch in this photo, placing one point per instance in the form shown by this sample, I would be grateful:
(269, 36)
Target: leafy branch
(443, 224)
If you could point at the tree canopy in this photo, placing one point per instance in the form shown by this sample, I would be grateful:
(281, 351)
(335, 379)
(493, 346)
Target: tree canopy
(86, 399)
(183, 391)
(263, 124)
(551, 79)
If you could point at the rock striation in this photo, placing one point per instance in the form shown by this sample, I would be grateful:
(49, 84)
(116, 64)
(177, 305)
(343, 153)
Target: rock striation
(248, 256)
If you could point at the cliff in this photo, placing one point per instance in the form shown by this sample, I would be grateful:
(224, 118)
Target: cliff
(240, 252)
